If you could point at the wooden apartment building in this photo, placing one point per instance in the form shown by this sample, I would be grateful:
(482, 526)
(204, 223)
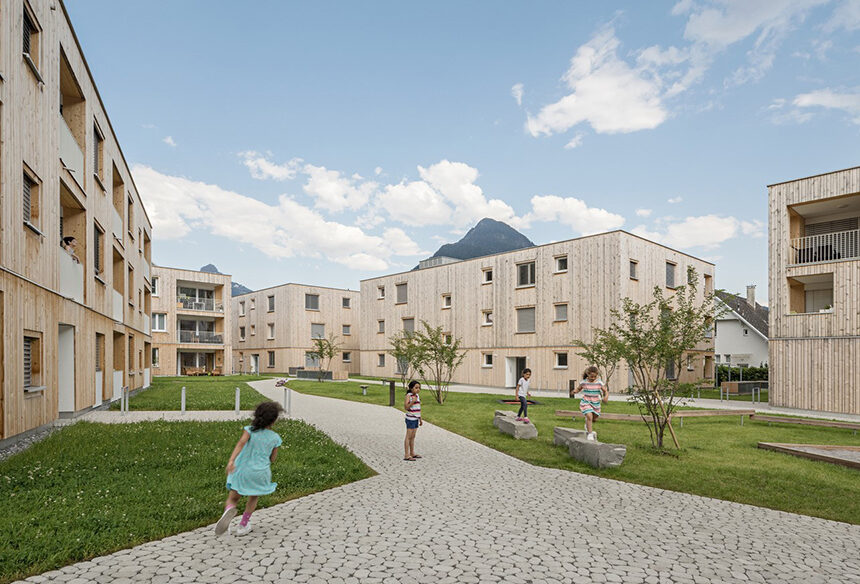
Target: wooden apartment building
(273, 327)
(814, 270)
(74, 332)
(524, 308)
(191, 322)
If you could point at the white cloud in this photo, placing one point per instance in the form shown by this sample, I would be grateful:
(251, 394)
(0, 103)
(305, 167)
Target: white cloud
(706, 231)
(377, 171)
(849, 102)
(575, 142)
(607, 93)
(675, 200)
(169, 141)
(780, 115)
(846, 16)
(178, 205)
(643, 212)
(517, 93)
(334, 192)
(414, 203)
(572, 212)
(262, 168)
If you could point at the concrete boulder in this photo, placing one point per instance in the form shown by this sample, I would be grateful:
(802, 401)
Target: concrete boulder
(596, 454)
(560, 435)
(507, 423)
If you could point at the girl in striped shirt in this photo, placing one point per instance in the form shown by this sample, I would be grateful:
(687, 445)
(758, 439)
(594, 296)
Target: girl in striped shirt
(412, 405)
(593, 392)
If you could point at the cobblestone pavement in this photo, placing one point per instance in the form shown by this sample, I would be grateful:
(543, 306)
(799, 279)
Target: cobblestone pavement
(466, 513)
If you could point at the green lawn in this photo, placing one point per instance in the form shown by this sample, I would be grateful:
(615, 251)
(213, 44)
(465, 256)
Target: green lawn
(91, 489)
(201, 393)
(719, 458)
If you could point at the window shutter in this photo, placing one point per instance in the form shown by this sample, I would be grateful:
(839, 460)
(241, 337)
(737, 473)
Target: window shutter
(317, 331)
(28, 185)
(28, 30)
(824, 227)
(98, 354)
(401, 293)
(409, 325)
(525, 320)
(561, 311)
(28, 362)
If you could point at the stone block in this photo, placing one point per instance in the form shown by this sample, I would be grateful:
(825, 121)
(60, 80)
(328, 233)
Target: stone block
(596, 454)
(560, 435)
(507, 423)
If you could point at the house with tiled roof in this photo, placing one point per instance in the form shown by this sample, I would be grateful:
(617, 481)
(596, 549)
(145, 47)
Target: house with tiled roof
(741, 331)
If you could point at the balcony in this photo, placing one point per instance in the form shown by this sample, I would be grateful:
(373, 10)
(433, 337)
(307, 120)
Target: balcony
(827, 247)
(118, 314)
(71, 277)
(202, 337)
(146, 270)
(204, 304)
(116, 224)
(71, 154)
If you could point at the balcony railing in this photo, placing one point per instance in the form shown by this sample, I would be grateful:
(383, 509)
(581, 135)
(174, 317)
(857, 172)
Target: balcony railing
(71, 277)
(71, 154)
(201, 337)
(206, 304)
(826, 247)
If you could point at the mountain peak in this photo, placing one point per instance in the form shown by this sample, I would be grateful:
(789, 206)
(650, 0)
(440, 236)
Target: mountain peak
(210, 268)
(486, 238)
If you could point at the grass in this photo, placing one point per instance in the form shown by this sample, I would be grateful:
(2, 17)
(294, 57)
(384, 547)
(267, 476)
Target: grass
(719, 458)
(91, 489)
(202, 393)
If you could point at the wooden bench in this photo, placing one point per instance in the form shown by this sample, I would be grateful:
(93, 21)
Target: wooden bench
(577, 414)
(710, 413)
(804, 422)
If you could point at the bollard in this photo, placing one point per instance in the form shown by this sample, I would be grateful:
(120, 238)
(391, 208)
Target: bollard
(237, 401)
(290, 403)
(391, 393)
(286, 397)
(182, 408)
(363, 390)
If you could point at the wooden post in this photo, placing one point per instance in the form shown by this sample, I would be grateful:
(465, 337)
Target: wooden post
(391, 393)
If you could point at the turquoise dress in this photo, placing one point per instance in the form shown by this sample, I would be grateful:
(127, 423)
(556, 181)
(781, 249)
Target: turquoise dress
(253, 473)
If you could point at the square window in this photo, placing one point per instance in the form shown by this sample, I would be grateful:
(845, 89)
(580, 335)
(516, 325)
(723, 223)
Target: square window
(488, 360)
(488, 276)
(271, 303)
(380, 292)
(488, 318)
(380, 326)
(560, 264)
(347, 330)
(317, 331)
(561, 360)
(446, 301)
(401, 293)
(380, 359)
(408, 325)
(634, 266)
(345, 302)
(526, 274)
(312, 361)
(526, 320)
(347, 357)
(560, 312)
(159, 322)
(312, 302)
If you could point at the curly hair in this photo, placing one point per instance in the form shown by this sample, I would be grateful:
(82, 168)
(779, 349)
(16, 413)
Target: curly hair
(265, 415)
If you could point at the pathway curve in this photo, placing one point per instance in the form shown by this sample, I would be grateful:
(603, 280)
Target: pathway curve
(467, 513)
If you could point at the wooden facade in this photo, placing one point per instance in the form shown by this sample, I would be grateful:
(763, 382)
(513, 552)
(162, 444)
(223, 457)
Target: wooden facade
(273, 327)
(73, 334)
(815, 292)
(576, 284)
(191, 322)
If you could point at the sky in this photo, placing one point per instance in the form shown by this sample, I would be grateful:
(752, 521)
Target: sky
(327, 142)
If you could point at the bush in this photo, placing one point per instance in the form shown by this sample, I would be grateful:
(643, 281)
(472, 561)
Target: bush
(749, 373)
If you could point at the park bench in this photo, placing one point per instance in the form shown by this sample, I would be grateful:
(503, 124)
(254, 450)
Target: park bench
(578, 414)
(710, 413)
(804, 422)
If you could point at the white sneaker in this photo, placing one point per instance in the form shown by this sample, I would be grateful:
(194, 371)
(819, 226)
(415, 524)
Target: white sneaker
(243, 529)
(591, 436)
(224, 522)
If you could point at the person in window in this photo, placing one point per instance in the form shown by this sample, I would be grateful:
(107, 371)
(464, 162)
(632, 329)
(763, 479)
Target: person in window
(70, 244)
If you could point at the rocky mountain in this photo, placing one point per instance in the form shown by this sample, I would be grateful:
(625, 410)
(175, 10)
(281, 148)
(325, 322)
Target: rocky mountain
(487, 237)
(237, 287)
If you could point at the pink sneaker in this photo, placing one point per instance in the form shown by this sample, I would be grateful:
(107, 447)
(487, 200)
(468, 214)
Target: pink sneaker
(526, 420)
(519, 419)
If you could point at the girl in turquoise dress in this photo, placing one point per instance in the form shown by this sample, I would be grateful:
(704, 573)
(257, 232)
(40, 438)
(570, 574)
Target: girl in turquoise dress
(249, 470)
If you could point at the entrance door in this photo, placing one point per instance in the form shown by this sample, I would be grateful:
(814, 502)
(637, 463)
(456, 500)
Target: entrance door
(255, 364)
(66, 368)
(513, 369)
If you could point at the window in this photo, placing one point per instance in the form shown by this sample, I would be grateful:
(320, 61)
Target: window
(155, 280)
(30, 195)
(488, 318)
(488, 360)
(98, 250)
(670, 370)
(690, 363)
(691, 275)
(401, 293)
(312, 302)
(446, 301)
(380, 326)
(271, 355)
(253, 330)
(312, 360)
(345, 302)
(98, 153)
(253, 304)
(560, 264)
(271, 303)
(317, 331)
(100, 353)
(526, 320)
(560, 312)
(526, 274)
(242, 308)
(448, 338)
(380, 359)
(32, 363)
(30, 46)
(347, 330)
(408, 325)
(380, 292)
(159, 322)
(347, 357)
(241, 333)
(670, 275)
(709, 284)
(131, 352)
(634, 265)
(131, 218)
(131, 286)
(155, 361)
(488, 276)
(270, 330)
(561, 360)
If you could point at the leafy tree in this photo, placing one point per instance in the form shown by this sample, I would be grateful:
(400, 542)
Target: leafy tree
(437, 359)
(325, 349)
(653, 339)
(604, 352)
(406, 351)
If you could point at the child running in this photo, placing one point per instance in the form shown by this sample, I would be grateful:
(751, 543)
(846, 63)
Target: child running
(412, 405)
(523, 395)
(593, 392)
(249, 470)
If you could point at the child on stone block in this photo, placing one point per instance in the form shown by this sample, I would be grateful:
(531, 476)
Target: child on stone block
(593, 392)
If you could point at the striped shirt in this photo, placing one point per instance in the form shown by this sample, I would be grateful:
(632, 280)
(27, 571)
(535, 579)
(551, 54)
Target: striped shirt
(591, 396)
(413, 412)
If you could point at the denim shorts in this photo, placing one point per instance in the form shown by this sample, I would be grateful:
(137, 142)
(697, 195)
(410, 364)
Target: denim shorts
(411, 424)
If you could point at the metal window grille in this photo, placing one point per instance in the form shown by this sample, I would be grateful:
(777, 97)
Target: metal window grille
(525, 320)
(29, 29)
(28, 362)
(28, 193)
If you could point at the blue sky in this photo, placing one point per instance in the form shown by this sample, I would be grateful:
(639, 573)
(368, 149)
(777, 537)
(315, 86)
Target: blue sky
(326, 142)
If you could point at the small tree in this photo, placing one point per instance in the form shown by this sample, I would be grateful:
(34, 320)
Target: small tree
(324, 351)
(603, 352)
(437, 360)
(653, 339)
(406, 351)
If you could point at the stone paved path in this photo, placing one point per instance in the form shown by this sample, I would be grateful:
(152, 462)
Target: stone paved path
(466, 513)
